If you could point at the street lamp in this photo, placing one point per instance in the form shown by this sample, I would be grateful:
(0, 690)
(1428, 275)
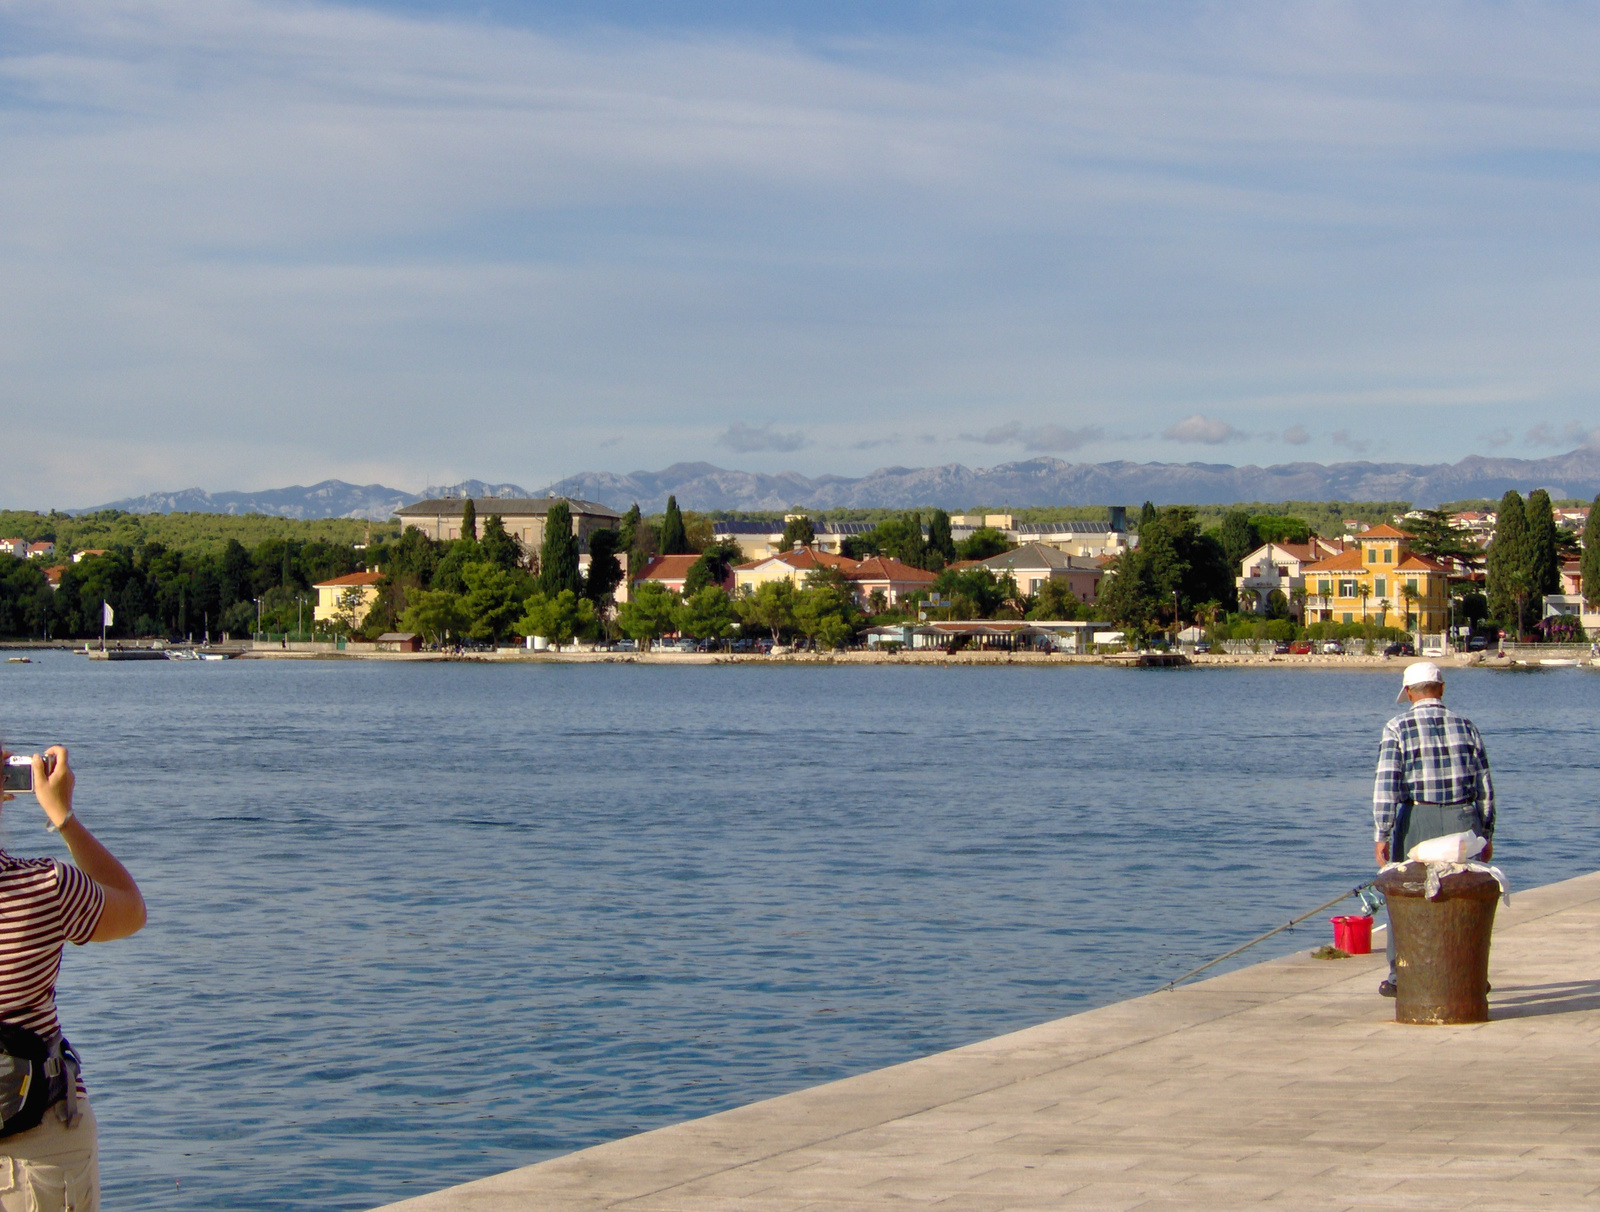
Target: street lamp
(258, 618)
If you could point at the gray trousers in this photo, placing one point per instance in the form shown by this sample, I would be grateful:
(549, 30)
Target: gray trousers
(1417, 823)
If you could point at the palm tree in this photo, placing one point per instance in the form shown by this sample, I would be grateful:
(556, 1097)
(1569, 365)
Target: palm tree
(1363, 591)
(1383, 612)
(1298, 596)
(1409, 594)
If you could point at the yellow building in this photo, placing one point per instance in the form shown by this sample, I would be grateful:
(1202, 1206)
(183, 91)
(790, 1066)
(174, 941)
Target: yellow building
(1379, 578)
(331, 595)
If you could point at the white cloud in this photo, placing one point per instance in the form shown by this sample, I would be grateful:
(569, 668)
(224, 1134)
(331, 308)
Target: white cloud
(1041, 438)
(1297, 435)
(346, 223)
(1569, 436)
(1343, 437)
(744, 439)
(1197, 428)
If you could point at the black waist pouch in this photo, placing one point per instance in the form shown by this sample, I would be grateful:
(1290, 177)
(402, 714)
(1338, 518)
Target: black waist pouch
(35, 1074)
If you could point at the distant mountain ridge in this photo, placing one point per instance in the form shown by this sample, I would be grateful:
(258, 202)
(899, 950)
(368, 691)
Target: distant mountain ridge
(1043, 481)
(1048, 481)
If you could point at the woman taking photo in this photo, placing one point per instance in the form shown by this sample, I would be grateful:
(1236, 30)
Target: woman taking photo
(51, 1163)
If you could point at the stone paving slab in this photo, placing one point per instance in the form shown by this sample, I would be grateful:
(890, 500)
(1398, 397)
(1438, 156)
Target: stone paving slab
(1283, 1085)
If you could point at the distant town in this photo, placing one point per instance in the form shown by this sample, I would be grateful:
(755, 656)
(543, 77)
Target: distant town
(474, 573)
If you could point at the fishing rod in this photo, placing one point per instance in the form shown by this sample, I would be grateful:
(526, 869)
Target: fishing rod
(1357, 891)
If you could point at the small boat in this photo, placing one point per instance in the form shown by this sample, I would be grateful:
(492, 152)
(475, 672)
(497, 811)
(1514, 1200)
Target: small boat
(181, 654)
(214, 656)
(1559, 662)
(19, 660)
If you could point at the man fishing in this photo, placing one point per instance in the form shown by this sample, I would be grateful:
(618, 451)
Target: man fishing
(1433, 779)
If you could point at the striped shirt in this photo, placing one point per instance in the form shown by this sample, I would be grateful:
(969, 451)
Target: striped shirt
(43, 905)
(1430, 755)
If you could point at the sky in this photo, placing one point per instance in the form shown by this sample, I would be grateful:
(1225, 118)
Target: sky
(245, 244)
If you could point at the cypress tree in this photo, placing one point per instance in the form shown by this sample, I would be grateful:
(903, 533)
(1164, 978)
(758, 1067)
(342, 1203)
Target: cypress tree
(605, 571)
(1544, 560)
(674, 539)
(469, 520)
(558, 556)
(1508, 566)
(1590, 563)
(629, 529)
(940, 542)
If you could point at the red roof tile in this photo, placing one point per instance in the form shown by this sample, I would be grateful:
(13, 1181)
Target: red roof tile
(349, 580)
(1383, 532)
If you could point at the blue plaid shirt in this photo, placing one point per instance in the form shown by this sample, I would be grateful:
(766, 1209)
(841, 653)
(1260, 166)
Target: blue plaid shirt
(1430, 755)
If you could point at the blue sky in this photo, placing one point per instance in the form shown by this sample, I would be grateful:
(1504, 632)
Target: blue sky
(247, 243)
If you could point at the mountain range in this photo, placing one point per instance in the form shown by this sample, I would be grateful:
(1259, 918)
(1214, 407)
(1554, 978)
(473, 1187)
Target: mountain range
(1043, 481)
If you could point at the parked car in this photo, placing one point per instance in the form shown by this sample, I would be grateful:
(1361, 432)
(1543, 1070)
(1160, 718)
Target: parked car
(1281, 648)
(1202, 647)
(1301, 647)
(1400, 648)
(1332, 647)
(625, 646)
(1477, 643)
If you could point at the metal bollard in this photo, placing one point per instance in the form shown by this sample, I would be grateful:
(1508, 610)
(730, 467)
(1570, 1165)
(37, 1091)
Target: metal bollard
(1441, 945)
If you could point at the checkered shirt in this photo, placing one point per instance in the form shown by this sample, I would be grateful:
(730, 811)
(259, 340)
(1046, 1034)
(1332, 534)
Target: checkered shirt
(1430, 755)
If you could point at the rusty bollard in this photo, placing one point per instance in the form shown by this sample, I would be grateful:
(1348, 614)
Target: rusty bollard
(1441, 945)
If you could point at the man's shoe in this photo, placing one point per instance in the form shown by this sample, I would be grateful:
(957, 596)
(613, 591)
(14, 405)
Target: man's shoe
(1386, 989)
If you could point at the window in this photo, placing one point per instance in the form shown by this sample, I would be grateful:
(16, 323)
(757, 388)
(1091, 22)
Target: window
(1388, 555)
(1348, 617)
(1372, 555)
(1380, 587)
(1412, 582)
(1347, 589)
(1325, 588)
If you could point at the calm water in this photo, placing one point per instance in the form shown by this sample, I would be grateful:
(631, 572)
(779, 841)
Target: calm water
(414, 924)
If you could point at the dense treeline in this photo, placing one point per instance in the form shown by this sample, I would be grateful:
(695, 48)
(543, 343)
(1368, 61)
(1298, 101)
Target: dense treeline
(1524, 563)
(186, 532)
(158, 591)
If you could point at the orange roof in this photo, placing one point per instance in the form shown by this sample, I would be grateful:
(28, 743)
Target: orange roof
(807, 557)
(350, 579)
(882, 568)
(1417, 563)
(1345, 561)
(668, 567)
(1384, 532)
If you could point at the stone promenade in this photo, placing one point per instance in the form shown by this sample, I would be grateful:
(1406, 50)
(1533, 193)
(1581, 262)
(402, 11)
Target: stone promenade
(1286, 1084)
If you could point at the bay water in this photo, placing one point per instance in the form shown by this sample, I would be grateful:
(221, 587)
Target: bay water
(412, 924)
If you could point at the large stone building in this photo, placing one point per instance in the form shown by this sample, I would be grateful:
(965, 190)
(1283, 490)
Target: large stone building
(523, 518)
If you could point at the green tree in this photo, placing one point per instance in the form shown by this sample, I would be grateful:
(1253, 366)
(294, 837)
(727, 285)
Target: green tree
(714, 567)
(674, 538)
(825, 612)
(770, 608)
(647, 615)
(901, 539)
(1590, 561)
(494, 598)
(628, 527)
(974, 593)
(982, 543)
(706, 615)
(1510, 576)
(469, 520)
(1435, 536)
(435, 615)
(560, 619)
(1278, 528)
(798, 529)
(497, 547)
(941, 546)
(1544, 559)
(1238, 537)
(558, 556)
(1055, 600)
(605, 571)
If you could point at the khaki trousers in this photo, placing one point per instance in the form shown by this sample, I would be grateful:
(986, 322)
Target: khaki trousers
(52, 1168)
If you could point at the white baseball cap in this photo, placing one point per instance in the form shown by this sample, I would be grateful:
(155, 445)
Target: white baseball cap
(1419, 673)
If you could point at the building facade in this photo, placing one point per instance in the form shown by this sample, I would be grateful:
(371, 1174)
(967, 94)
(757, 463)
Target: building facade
(331, 596)
(1378, 577)
(1034, 564)
(523, 518)
(1279, 568)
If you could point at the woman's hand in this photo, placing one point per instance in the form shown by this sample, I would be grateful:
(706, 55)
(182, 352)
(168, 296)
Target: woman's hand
(52, 784)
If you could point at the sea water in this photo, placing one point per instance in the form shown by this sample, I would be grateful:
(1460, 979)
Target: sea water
(412, 924)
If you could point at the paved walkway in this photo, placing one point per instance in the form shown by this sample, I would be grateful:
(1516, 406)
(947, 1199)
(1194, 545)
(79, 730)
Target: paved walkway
(1285, 1084)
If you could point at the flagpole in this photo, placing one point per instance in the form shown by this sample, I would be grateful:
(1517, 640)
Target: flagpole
(102, 624)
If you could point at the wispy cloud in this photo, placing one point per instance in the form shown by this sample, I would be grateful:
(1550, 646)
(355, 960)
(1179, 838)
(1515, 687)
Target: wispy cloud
(745, 439)
(1041, 438)
(1296, 435)
(1355, 445)
(1208, 431)
(1498, 438)
(1570, 435)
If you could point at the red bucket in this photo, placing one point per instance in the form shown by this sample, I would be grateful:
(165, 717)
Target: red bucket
(1353, 934)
